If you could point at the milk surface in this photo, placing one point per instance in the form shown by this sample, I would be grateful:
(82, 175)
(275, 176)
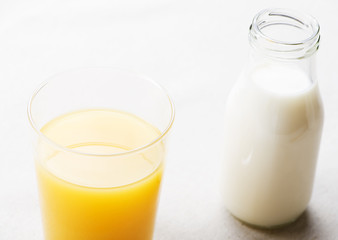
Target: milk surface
(273, 127)
(281, 80)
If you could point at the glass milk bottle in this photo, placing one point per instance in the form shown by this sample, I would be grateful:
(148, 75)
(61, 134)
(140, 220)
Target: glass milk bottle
(273, 122)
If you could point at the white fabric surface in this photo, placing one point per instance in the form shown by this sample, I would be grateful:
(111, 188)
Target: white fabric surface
(196, 50)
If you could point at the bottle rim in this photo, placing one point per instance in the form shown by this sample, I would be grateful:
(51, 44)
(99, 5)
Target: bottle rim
(284, 49)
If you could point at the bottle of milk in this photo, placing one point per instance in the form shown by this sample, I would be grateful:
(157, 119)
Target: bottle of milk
(273, 122)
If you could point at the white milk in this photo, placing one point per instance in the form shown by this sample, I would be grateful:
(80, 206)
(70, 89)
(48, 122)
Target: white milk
(273, 127)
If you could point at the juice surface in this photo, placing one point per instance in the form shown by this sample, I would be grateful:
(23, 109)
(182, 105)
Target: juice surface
(98, 197)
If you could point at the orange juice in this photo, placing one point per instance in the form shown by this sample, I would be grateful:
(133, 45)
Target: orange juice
(87, 192)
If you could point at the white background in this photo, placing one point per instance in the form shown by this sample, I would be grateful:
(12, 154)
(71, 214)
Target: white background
(196, 50)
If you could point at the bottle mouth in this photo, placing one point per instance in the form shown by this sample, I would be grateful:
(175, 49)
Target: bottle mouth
(284, 33)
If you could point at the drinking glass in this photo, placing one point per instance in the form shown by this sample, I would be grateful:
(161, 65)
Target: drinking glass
(100, 145)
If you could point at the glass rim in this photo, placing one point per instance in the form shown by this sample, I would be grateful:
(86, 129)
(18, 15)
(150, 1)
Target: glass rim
(69, 150)
(295, 15)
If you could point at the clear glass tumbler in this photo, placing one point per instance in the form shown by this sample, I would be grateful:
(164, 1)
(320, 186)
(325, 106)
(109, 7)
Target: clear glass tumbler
(100, 146)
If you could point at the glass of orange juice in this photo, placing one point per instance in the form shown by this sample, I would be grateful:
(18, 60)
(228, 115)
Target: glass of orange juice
(100, 146)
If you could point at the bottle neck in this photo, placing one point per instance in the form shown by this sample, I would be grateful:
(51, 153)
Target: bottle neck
(258, 59)
(283, 46)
